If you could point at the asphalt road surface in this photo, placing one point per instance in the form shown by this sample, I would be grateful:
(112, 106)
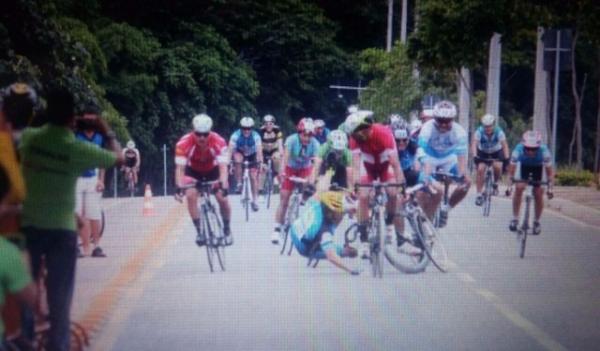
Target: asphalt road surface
(490, 300)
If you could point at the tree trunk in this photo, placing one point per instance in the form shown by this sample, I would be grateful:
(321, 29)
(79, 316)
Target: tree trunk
(597, 153)
(578, 101)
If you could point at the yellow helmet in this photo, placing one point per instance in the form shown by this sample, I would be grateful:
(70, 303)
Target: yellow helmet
(337, 201)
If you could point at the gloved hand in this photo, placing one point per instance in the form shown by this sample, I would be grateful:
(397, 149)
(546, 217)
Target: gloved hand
(355, 272)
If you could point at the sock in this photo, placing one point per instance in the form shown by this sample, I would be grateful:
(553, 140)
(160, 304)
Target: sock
(196, 223)
(225, 223)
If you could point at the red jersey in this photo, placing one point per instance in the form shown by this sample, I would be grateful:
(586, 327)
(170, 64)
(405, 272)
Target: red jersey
(378, 149)
(200, 159)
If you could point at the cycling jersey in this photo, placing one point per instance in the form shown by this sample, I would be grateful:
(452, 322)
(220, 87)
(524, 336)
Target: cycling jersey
(542, 156)
(246, 145)
(270, 139)
(201, 159)
(322, 138)
(96, 139)
(311, 229)
(441, 145)
(300, 156)
(408, 156)
(331, 158)
(376, 152)
(130, 157)
(489, 143)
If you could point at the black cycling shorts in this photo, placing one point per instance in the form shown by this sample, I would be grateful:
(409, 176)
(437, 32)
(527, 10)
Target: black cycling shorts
(411, 176)
(498, 155)
(534, 171)
(209, 176)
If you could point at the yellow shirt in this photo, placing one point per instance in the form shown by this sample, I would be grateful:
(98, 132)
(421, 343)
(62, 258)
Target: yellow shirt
(16, 193)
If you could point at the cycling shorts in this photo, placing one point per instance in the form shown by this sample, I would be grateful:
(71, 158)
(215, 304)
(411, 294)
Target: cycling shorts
(412, 177)
(130, 162)
(498, 155)
(383, 173)
(269, 154)
(192, 176)
(291, 172)
(250, 158)
(536, 172)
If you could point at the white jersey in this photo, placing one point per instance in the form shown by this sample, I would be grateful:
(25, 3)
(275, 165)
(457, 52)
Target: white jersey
(435, 144)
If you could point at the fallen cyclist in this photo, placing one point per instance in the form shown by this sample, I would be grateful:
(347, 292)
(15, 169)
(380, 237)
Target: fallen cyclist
(313, 232)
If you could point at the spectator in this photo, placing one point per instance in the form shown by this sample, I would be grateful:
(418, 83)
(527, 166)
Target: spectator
(90, 185)
(52, 160)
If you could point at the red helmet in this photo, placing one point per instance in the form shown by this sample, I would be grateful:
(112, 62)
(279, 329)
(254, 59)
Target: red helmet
(306, 124)
(532, 139)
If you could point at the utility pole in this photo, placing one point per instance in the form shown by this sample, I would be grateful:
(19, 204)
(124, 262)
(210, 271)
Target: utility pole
(492, 104)
(388, 46)
(403, 22)
(540, 96)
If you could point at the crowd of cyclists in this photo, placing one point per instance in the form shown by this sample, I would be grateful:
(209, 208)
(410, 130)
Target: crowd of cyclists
(359, 151)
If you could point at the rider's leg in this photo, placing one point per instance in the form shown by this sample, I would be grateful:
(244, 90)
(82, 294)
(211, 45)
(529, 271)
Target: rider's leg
(254, 183)
(224, 209)
(430, 202)
(135, 176)
(497, 172)
(517, 198)
(95, 231)
(192, 204)
(480, 177)
(538, 194)
(459, 194)
(280, 213)
(238, 158)
(391, 206)
(363, 212)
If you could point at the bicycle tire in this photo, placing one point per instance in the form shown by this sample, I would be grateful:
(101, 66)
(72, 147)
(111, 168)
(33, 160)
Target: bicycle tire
(209, 253)
(487, 195)
(404, 263)
(352, 230)
(289, 219)
(246, 199)
(284, 239)
(522, 232)
(376, 256)
(432, 244)
(268, 187)
(295, 215)
(216, 235)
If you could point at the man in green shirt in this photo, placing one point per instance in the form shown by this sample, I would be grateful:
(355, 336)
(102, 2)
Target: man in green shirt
(335, 157)
(52, 159)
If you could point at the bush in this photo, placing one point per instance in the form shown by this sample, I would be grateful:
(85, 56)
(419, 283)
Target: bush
(572, 177)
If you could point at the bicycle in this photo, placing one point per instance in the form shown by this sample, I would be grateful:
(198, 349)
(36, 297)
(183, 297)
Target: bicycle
(488, 185)
(446, 179)
(376, 225)
(246, 187)
(292, 212)
(523, 229)
(211, 226)
(130, 182)
(268, 183)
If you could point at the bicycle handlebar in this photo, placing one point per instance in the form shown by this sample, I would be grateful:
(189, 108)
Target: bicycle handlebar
(380, 185)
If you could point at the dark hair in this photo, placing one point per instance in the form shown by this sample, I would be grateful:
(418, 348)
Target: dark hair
(91, 109)
(60, 109)
(18, 103)
(3, 183)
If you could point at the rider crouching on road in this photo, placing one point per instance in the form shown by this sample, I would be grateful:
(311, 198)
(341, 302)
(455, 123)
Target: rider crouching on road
(531, 158)
(489, 142)
(201, 156)
(313, 232)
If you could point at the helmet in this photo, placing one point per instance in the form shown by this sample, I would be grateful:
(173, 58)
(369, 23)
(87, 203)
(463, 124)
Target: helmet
(488, 120)
(358, 119)
(247, 122)
(400, 133)
(319, 123)
(352, 109)
(306, 124)
(336, 201)
(18, 102)
(444, 109)
(268, 118)
(532, 139)
(130, 144)
(427, 113)
(202, 123)
(338, 139)
(395, 119)
(415, 124)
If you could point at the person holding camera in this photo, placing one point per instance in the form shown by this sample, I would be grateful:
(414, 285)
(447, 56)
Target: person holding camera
(90, 186)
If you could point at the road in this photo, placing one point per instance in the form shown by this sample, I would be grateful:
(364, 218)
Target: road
(155, 292)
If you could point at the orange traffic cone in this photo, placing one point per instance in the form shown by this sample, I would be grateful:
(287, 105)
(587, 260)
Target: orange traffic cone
(148, 204)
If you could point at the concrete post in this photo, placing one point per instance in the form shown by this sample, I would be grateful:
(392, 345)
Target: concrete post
(540, 98)
(492, 104)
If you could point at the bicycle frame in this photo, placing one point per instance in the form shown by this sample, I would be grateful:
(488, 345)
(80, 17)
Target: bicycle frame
(292, 211)
(523, 229)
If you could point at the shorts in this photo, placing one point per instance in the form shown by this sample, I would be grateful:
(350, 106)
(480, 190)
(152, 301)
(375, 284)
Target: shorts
(383, 173)
(130, 162)
(524, 171)
(291, 172)
(192, 175)
(498, 155)
(267, 154)
(87, 198)
(446, 164)
(412, 177)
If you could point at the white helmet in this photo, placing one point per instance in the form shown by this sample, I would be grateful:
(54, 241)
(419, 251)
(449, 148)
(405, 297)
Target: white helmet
(319, 123)
(202, 123)
(352, 109)
(130, 144)
(444, 109)
(357, 119)
(415, 124)
(395, 119)
(488, 120)
(400, 133)
(247, 122)
(268, 118)
(338, 139)
(427, 113)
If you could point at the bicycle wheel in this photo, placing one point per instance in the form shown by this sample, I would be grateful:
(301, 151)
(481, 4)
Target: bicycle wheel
(295, 215)
(351, 234)
(432, 244)
(205, 231)
(487, 195)
(436, 217)
(216, 237)
(407, 263)
(268, 187)
(522, 232)
(289, 219)
(246, 198)
(375, 243)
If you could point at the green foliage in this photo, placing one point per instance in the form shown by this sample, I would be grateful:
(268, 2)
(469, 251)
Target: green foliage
(393, 88)
(569, 176)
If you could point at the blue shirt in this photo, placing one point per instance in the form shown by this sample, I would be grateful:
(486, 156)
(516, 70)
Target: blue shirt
(96, 139)
(439, 145)
(247, 146)
(300, 156)
(309, 227)
(408, 156)
(489, 143)
(541, 158)
(322, 138)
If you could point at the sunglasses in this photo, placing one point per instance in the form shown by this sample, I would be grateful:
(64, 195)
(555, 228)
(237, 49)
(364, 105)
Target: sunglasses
(443, 121)
(201, 135)
(531, 149)
(307, 134)
(402, 140)
(246, 129)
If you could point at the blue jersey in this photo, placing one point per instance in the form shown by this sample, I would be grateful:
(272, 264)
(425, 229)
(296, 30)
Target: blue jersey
(300, 156)
(322, 138)
(96, 139)
(247, 146)
(310, 227)
(541, 158)
(408, 156)
(440, 145)
(490, 143)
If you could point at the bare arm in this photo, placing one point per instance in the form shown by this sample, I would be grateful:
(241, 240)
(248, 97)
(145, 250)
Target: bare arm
(138, 161)
(505, 149)
(395, 164)
(336, 260)
(179, 172)
(474, 143)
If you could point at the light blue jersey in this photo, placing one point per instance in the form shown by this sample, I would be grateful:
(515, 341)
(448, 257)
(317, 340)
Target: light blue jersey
(311, 227)
(441, 145)
(247, 146)
(490, 143)
(542, 156)
(300, 156)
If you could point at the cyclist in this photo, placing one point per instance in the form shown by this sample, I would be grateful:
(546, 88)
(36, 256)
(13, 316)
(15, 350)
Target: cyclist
(300, 150)
(313, 232)
(132, 161)
(202, 156)
(272, 144)
(443, 145)
(334, 155)
(489, 142)
(373, 147)
(532, 158)
(245, 145)
(321, 132)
